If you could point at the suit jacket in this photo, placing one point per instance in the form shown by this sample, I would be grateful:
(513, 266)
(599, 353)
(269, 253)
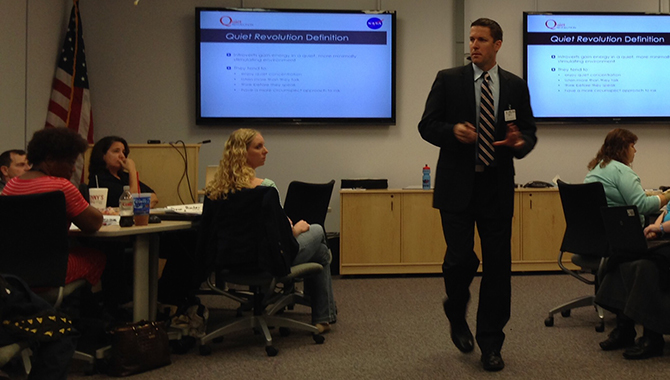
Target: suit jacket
(452, 101)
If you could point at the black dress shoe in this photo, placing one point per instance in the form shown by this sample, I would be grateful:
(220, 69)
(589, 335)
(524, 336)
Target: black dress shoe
(462, 337)
(619, 338)
(645, 347)
(492, 361)
(460, 331)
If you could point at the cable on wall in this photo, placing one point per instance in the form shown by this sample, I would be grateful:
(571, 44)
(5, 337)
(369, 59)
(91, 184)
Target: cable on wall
(184, 157)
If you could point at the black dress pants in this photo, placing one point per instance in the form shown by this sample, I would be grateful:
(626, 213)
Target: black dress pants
(461, 263)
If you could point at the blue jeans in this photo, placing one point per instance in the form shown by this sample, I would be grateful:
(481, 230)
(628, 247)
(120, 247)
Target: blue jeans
(314, 249)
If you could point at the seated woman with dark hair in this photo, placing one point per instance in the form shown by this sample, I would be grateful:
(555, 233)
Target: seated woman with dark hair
(53, 153)
(110, 167)
(632, 288)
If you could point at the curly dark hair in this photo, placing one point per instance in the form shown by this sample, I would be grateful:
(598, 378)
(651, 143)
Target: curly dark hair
(97, 162)
(615, 147)
(57, 144)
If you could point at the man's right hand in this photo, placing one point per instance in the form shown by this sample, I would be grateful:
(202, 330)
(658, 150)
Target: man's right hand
(465, 133)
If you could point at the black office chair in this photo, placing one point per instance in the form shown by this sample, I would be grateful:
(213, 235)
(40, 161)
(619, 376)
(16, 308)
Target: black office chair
(585, 238)
(33, 231)
(246, 239)
(308, 201)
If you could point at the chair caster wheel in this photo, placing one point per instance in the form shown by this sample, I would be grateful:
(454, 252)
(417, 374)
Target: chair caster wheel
(100, 366)
(565, 313)
(205, 350)
(284, 331)
(271, 351)
(549, 321)
(318, 338)
(183, 345)
(600, 327)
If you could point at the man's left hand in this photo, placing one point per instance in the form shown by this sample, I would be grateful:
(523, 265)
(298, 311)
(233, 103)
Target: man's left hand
(512, 139)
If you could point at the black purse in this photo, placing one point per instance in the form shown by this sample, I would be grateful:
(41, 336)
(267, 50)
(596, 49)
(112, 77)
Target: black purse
(139, 347)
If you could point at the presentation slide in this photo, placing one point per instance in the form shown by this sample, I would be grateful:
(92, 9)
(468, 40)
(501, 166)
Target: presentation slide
(296, 65)
(600, 65)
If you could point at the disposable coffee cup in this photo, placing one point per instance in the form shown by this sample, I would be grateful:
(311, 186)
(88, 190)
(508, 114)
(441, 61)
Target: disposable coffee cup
(141, 208)
(98, 197)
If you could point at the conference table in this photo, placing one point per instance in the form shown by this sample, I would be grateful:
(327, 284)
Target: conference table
(145, 249)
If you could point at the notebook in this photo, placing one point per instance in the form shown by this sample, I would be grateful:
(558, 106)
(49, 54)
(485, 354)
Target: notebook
(625, 233)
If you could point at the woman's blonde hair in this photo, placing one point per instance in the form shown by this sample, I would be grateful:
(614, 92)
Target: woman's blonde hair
(233, 172)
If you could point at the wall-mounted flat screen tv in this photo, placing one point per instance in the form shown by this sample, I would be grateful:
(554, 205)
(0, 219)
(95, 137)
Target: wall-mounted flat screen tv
(598, 67)
(294, 66)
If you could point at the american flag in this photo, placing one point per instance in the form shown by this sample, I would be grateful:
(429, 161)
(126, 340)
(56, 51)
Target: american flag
(70, 104)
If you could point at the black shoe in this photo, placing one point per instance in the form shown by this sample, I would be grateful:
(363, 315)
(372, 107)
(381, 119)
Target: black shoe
(645, 347)
(619, 338)
(492, 361)
(460, 331)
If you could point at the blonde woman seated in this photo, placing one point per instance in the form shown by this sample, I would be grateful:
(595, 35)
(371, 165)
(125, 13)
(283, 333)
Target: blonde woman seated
(244, 152)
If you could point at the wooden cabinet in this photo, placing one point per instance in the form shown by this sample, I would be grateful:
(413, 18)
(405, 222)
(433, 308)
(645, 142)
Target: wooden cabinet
(398, 231)
(542, 227)
(373, 225)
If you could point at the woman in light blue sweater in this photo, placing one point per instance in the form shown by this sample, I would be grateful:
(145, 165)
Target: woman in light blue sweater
(611, 167)
(632, 289)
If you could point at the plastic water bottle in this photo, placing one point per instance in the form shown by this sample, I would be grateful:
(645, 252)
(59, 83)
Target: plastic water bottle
(426, 177)
(126, 208)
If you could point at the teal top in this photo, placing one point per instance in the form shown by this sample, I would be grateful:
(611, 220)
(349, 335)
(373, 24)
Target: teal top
(623, 187)
(270, 183)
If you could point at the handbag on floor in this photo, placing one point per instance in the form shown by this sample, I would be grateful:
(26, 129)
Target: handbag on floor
(139, 347)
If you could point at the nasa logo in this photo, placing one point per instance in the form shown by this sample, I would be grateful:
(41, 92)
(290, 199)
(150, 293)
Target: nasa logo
(374, 23)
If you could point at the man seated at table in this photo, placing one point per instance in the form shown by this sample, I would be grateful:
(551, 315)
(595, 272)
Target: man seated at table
(13, 163)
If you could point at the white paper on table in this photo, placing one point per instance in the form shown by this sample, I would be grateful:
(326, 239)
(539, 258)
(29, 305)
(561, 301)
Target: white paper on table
(189, 209)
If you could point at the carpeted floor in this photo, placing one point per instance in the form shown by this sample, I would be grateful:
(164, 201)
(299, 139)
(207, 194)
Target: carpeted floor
(394, 328)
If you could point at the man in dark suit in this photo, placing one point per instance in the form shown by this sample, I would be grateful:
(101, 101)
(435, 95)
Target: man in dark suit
(474, 183)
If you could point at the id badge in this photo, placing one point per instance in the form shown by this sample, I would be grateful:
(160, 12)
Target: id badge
(510, 115)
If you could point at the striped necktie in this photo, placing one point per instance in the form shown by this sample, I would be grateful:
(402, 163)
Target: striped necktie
(487, 129)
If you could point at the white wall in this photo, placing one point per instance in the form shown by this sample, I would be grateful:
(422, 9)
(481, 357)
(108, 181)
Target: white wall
(13, 69)
(141, 66)
(31, 35)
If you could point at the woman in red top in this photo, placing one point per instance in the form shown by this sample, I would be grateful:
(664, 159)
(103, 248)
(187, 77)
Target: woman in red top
(53, 153)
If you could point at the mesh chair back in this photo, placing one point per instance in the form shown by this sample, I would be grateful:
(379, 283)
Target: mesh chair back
(33, 232)
(308, 201)
(584, 231)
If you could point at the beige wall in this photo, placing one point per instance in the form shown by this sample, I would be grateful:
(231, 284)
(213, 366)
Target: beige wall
(13, 69)
(141, 70)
